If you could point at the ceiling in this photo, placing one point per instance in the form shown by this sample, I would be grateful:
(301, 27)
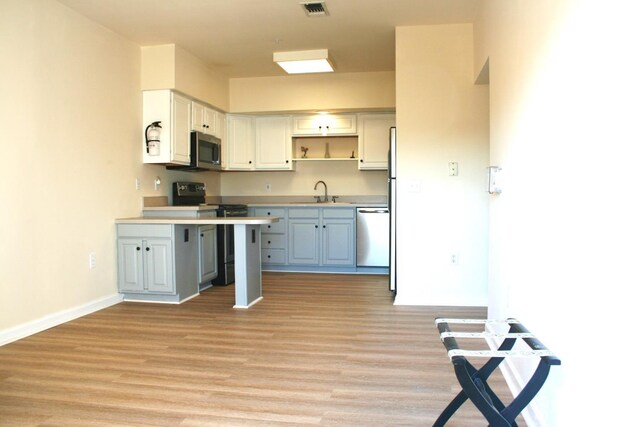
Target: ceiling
(240, 36)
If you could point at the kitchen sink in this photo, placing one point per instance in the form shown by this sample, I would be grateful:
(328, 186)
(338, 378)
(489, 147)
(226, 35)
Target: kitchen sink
(320, 203)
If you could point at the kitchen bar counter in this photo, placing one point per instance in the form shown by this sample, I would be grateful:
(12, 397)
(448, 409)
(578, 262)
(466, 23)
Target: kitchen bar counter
(182, 208)
(248, 269)
(251, 220)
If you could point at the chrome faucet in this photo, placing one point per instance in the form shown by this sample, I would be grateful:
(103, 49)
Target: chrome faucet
(326, 196)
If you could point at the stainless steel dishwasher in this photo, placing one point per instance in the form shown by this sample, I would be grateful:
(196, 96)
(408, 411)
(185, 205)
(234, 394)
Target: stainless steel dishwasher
(372, 232)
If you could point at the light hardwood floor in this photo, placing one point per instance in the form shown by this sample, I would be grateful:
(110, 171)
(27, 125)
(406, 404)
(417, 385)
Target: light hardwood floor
(318, 350)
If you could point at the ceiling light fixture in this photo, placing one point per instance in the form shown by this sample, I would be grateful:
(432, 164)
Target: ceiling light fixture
(304, 61)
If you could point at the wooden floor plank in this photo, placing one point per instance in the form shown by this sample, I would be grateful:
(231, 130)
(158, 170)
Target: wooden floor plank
(320, 349)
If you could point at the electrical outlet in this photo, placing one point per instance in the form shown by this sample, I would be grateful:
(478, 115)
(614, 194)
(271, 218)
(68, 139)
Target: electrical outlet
(267, 187)
(455, 258)
(137, 183)
(415, 187)
(92, 260)
(453, 168)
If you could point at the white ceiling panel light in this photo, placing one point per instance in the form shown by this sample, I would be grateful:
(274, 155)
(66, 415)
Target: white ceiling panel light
(304, 61)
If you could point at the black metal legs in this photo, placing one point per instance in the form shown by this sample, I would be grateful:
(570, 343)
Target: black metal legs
(474, 381)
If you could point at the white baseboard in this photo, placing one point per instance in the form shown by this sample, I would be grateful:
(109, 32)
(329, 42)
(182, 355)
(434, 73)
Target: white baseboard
(516, 383)
(55, 319)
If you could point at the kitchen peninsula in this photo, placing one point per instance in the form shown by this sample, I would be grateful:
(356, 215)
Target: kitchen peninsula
(157, 258)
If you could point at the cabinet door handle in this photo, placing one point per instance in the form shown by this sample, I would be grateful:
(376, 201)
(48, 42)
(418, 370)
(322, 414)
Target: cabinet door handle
(147, 249)
(201, 235)
(137, 248)
(269, 242)
(324, 226)
(268, 256)
(250, 162)
(361, 161)
(316, 226)
(287, 161)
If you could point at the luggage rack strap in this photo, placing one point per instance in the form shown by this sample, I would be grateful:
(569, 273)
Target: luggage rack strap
(500, 353)
(485, 335)
(509, 321)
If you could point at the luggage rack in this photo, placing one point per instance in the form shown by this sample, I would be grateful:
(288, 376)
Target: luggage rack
(474, 381)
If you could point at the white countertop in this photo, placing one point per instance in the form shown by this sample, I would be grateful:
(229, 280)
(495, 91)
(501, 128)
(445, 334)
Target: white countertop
(181, 208)
(321, 205)
(247, 220)
(312, 204)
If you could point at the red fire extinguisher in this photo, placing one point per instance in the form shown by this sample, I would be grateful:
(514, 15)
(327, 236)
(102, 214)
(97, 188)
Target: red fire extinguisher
(152, 136)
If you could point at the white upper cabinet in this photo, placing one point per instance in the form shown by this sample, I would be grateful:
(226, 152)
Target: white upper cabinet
(258, 143)
(325, 124)
(220, 120)
(202, 118)
(273, 143)
(173, 111)
(207, 120)
(373, 140)
(240, 142)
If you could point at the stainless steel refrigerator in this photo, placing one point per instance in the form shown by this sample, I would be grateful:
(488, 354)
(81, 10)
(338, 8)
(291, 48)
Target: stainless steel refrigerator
(391, 203)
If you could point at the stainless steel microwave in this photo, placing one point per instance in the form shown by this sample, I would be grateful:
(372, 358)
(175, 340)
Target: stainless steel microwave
(206, 153)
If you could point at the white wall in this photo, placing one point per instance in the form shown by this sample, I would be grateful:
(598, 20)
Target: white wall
(169, 66)
(564, 233)
(441, 118)
(70, 126)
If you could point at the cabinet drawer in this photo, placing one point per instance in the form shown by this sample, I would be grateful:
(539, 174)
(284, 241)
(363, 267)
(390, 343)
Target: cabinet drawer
(272, 256)
(338, 213)
(279, 212)
(276, 227)
(207, 214)
(273, 241)
(145, 230)
(304, 213)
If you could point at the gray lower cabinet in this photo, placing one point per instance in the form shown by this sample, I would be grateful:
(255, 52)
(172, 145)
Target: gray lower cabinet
(146, 265)
(322, 236)
(304, 241)
(273, 236)
(156, 262)
(338, 237)
(207, 253)
(207, 240)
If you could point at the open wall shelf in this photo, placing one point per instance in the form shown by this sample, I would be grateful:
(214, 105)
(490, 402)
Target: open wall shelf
(339, 148)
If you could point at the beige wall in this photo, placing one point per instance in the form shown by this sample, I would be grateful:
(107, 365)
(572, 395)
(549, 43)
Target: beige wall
(70, 116)
(564, 232)
(342, 178)
(314, 92)
(158, 67)
(171, 67)
(195, 78)
(441, 117)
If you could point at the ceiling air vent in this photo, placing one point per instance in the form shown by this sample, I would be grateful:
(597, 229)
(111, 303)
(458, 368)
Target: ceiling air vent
(316, 8)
